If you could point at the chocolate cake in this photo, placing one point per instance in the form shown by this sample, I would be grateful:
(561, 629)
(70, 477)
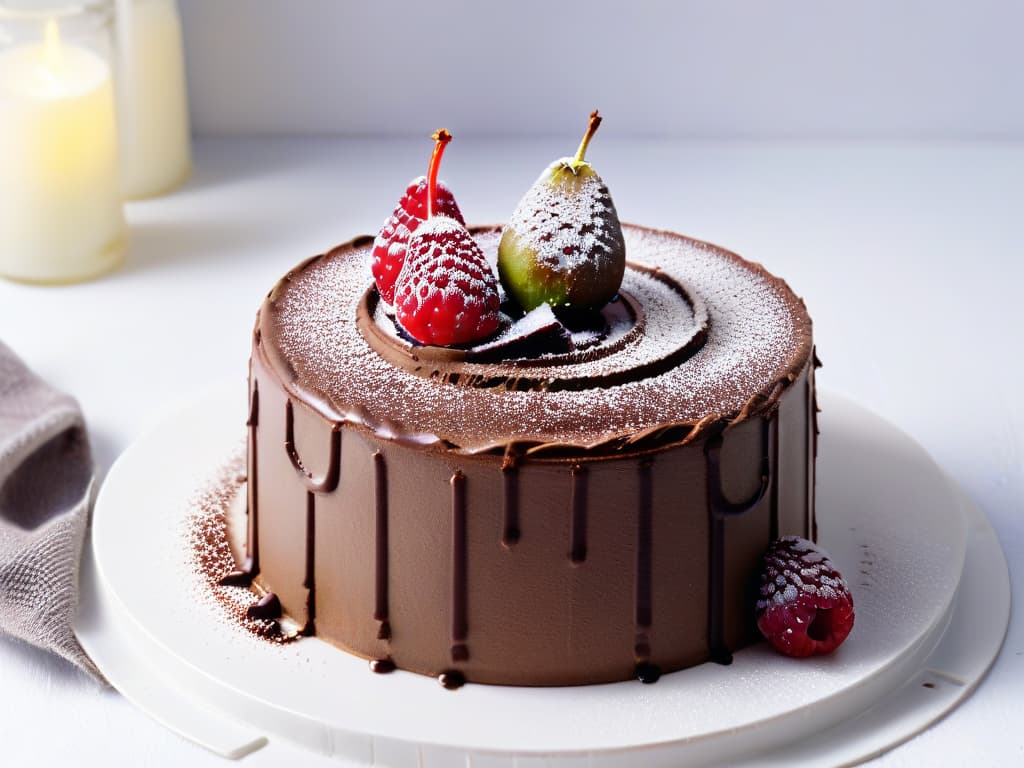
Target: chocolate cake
(565, 503)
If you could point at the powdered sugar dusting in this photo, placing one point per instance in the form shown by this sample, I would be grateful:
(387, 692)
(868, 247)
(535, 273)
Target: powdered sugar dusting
(390, 244)
(568, 224)
(212, 557)
(446, 292)
(439, 226)
(795, 567)
(758, 334)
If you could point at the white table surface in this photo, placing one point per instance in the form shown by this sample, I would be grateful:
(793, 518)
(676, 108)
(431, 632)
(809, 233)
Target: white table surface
(910, 258)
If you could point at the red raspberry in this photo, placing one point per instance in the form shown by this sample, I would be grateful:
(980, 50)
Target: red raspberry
(805, 607)
(390, 244)
(446, 293)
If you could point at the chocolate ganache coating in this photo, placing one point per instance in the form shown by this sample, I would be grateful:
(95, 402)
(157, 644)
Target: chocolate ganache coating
(570, 506)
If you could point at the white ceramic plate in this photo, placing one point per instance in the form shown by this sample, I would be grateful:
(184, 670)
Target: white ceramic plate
(916, 554)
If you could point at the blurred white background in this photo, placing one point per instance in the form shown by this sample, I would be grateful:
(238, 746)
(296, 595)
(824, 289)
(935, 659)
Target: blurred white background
(872, 69)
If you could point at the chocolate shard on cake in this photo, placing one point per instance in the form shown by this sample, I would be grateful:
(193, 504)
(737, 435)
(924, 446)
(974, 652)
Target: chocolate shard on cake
(522, 512)
(536, 333)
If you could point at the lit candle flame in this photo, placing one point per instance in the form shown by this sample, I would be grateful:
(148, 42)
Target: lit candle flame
(52, 51)
(51, 61)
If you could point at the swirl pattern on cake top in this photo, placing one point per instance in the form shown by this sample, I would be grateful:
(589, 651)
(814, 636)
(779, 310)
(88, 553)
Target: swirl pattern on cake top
(758, 334)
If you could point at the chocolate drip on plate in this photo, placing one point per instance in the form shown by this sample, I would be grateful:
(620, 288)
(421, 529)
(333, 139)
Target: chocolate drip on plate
(578, 505)
(460, 587)
(269, 607)
(648, 673)
(380, 609)
(719, 508)
(382, 666)
(452, 680)
(241, 577)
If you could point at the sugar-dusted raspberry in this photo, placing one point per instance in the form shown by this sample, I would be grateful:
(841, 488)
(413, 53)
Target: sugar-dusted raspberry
(804, 607)
(446, 293)
(389, 247)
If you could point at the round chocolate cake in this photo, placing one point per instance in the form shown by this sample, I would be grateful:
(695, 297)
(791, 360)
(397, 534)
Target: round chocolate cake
(575, 500)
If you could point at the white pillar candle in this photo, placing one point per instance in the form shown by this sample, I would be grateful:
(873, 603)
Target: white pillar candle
(152, 100)
(61, 217)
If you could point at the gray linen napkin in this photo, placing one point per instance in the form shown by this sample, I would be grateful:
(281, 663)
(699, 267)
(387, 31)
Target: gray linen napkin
(46, 488)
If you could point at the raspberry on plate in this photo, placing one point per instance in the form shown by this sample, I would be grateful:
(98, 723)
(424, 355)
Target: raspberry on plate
(804, 606)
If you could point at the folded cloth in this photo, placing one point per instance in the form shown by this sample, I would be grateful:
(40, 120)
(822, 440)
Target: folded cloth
(46, 489)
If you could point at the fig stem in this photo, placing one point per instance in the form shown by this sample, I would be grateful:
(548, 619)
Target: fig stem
(441, 139)
(595, 121)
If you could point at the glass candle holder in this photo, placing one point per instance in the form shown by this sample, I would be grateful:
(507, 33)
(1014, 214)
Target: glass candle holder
(151, 97)
(61, 217)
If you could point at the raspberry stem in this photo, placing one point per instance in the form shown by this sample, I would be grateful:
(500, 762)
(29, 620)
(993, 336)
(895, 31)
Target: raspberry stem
(441, 137)
(595, 121)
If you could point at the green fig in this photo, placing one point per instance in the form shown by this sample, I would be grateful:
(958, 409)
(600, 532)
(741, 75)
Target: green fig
(563, 245)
